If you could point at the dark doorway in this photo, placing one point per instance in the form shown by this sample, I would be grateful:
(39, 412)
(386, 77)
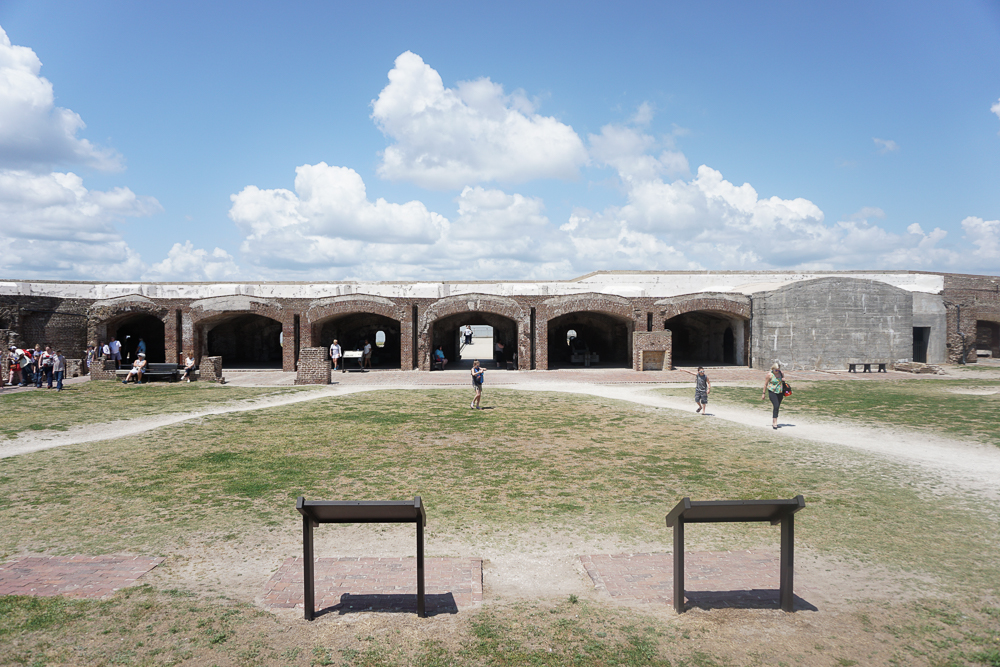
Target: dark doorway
(585, 339)
(150, 330)
(921, 337)
(988, 338)
(701, 337)
(246, 341)
(351, 331)
(447, 333)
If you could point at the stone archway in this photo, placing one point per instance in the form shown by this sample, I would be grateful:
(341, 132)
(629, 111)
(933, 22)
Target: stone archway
(129, 318)
(439, 323)
(354, 318)
(251, 332)
(709, 328)
(603, 324)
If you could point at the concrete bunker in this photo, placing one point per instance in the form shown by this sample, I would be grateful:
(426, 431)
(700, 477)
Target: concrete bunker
(597, 339)
(243, 340)
(351, 330)
(447, 332)
(707, 337)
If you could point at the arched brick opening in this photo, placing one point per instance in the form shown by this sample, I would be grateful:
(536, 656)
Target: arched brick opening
(352, 330)
(128, 319)
(603, 325)
(243, 340)
(352, 318)
(599, 340)
(446, 333)
(440, 322)
(711, 328)
(247, 332)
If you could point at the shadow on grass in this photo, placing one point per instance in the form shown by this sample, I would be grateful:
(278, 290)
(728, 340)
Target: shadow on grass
(434, 604)
(755, 598)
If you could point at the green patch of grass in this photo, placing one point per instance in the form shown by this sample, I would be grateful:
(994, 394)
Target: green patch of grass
(98, 402)
(931, 405)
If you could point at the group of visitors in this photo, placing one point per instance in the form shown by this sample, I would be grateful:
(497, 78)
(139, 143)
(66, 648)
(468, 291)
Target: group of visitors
(337, 356)
(31, 367)
(775, 389)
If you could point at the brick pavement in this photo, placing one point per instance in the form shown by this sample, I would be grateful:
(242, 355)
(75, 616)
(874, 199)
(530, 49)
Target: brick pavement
(348, 585)
(711, 579)
(499, 378)
(75, 576)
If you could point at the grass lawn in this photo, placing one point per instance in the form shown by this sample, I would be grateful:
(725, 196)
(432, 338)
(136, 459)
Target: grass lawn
(97, 402)
(931, 405)
(535, 464)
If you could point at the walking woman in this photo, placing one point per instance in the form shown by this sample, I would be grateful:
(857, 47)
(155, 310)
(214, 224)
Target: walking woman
(774, 389)
(477, 384)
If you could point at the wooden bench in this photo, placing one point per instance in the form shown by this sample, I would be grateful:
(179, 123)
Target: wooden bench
(436, 364)
(852, 367)
(171, 372)
(315, 512)
(717, 511)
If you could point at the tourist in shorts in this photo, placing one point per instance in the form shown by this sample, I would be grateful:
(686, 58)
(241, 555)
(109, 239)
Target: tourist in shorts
(775, 390)
(189, 367)
(478, 375)
(138, 368)
(366, 359)
(702, 388)
(115, 352)
(335, 354)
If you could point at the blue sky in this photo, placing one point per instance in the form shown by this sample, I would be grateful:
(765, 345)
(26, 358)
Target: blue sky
(331, 140)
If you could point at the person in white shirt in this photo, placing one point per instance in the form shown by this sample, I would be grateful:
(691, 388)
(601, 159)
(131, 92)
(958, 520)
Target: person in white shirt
(189, 367)
(335, 354)
(138, 368)
(367, 360)
(115, 351)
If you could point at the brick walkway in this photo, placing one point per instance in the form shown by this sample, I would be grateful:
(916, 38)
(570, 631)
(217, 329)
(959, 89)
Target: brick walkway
(495, 377)
(711, 579)
(76, 576)
(380, 584)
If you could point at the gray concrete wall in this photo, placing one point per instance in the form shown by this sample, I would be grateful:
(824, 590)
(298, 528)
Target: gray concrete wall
(929, 311)
(829, 323)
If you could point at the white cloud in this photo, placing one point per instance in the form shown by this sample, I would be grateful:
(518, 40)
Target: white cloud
(189, 264)
(329, 228)
(985, 236)
(885, 145)
(55, 228)
(33, 131)
(447, 138)
(866, 213)
(996, 109)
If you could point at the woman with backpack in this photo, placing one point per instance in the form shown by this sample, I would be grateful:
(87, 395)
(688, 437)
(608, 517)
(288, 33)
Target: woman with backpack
(774, 388)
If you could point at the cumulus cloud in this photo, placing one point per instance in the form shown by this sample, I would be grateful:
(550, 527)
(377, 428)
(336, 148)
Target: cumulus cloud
(329, 227)
(54, 227)
(885, 145)
(996, 109)
(985, 236)
(189, 264)
(33, 131)
(447, 138)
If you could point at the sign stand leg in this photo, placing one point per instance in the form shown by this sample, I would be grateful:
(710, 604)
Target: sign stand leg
(308, 583)
(679, 566)
(787, 562)
(421, 611)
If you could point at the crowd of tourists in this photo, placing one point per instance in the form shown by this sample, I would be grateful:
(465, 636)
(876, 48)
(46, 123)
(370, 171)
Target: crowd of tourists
(35, 367)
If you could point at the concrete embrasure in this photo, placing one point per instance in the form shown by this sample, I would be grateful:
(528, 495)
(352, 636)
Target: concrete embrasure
(75, 576)
(379, 584)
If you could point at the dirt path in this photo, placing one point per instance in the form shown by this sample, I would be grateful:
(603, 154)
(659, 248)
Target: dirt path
(960, 464)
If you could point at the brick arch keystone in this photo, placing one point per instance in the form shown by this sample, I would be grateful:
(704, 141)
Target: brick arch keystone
(107, 312)
(203, 309)
(609, 304)
(323, 309)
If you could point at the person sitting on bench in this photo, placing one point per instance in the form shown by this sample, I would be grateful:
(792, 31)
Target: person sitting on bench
(138, 368)
(439, 355)
(189, 367)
